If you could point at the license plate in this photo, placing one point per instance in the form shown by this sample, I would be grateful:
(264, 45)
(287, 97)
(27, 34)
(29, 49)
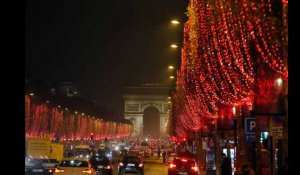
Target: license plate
(130, 164)
(37, 170)
(100, 166)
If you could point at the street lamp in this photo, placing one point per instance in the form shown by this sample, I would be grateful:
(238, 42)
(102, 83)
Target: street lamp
(172, 77)
(173, 45)
(234, 111)
(279, 82)
(171, 67)
(175, 22)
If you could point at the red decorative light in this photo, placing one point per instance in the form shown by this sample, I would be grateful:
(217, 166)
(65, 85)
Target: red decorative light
(224, 44)
(42, 119)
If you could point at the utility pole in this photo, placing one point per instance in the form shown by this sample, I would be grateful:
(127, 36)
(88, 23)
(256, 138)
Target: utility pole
(258, 146)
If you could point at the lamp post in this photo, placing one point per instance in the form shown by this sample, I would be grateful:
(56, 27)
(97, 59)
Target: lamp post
(173, 46)
(171, 67)
(175, 22)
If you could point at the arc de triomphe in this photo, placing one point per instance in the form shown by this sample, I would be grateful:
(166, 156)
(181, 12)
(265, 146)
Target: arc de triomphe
(139, 99)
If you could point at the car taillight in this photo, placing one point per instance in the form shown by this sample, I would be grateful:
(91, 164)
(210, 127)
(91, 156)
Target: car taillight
(121, 164)
(87, 171)
(51, 171)
(59, 170)
(195, 168)
(140, 165)
(183, 160)
(172, 165)
(108, 167)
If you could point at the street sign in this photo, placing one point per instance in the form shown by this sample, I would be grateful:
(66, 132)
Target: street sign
(250, 138)
(250, 125)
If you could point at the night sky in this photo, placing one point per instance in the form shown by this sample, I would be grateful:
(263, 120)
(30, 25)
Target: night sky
(103, 45)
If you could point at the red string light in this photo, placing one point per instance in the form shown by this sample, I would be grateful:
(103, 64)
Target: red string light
(42, 119)
(217, 62)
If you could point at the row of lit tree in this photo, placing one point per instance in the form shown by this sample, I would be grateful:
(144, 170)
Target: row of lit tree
(58, 123)
(234, 54)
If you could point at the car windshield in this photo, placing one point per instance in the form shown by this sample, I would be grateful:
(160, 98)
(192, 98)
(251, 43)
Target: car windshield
(53, 161)
(47, 160)
(73, 163)
(99, 160)
(33, 163)
(172, 154)
(144, 144)
(84, 151)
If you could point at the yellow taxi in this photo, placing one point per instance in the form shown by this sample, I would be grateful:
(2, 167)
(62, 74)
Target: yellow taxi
(75, 166)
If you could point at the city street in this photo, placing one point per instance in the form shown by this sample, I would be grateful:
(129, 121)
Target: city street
(202, 84)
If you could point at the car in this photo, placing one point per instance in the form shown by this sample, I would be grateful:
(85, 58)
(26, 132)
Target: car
(102, 146)
(82, 151)
(147, 153)
(36, 166)
(131, 164)
(102, 165)
(183, 166)
(144, 145)
(141, 152)
(132, 153)
(75, 166)
(170, 157)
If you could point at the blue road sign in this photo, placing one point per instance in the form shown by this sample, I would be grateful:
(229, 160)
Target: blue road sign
(250, 138)
(250, 125)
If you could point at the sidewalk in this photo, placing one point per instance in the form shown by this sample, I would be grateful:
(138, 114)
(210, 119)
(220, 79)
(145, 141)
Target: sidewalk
(202, 172)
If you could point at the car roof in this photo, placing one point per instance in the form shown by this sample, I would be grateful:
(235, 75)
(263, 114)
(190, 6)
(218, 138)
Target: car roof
(82, 147)
(76, 158)
(186, 158)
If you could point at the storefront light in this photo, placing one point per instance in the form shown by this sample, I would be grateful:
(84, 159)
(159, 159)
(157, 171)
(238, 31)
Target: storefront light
(279, 82)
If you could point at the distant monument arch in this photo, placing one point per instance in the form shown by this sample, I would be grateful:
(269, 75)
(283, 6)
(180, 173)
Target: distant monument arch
(147, 107)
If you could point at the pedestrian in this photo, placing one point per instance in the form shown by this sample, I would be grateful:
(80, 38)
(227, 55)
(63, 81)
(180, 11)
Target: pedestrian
(246, 169)
(158, 152)
(164, 156)
(69, 153)
(226, 168)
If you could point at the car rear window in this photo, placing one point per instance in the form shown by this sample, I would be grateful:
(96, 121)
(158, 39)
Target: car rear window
(99, 159)
(130, 159)
(73, 163)
(53, 161)
(144, 144)
(181, 162)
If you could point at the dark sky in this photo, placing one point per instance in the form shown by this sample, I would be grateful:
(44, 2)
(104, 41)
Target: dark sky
(102, 45)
